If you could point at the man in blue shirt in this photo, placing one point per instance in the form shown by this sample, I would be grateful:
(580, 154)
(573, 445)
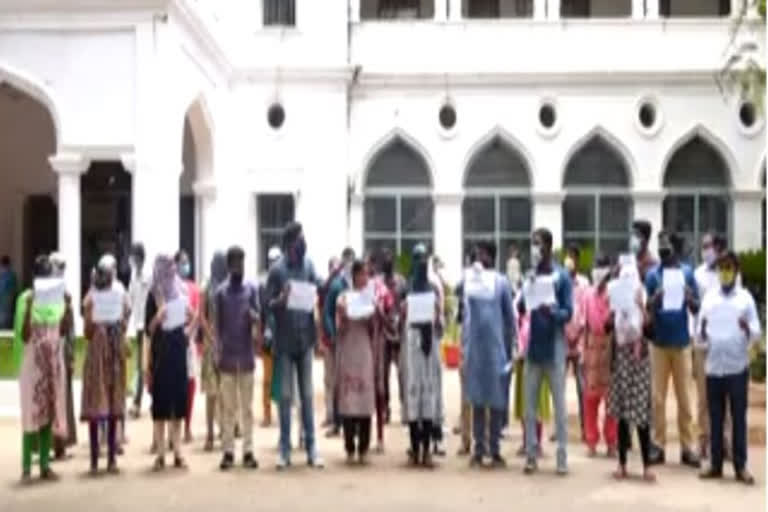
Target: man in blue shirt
(670, 349)
(546, 348)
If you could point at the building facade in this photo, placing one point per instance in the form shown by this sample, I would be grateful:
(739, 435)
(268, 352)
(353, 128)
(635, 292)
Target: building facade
(200, 124)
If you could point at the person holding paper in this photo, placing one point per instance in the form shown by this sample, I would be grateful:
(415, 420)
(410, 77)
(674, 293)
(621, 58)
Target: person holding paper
(167, 314)
(629, 397)
(488, 327)
(392, 328)
(104, 379)
(184, 269)
(575, 329)
(672, 293)
(728, 326)
(597, 359)
(210, 377)
(138, 290)
(61, 443)
(420, 360)
(295, 338)
(547, 294)
(237, 314)
(356, 331)
(40, 325)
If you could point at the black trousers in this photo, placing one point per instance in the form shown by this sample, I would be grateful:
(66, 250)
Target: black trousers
(139, 369)
(391, 357)
(734, 389)
(422, 433)
(625, 440)
(360, 428)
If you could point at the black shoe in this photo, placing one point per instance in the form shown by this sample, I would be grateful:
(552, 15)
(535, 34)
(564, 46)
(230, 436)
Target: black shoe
(227, 462)
(745, 477)
(250, 462)
(497, 461)
(476, 461)
(656, 456)
(688, 458)
(711, 474)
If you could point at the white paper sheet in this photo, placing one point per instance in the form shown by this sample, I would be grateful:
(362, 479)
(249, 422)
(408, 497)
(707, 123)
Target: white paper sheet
(539, 291)
(621, 294)
(479, 284)
(107, 306)
(175, 314)
(723, 322)
(627, 260)
(302, 296)
(421, 307)
(359, 305)
(673, 283)
(49, 291)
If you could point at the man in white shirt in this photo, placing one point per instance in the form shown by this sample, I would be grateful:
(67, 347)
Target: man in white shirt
(728, 325)
(138, 289)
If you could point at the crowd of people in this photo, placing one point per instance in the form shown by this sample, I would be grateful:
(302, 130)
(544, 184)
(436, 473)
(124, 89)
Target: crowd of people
(622, 334)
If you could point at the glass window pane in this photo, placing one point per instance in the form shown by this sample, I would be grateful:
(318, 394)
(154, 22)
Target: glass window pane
(377, 244)
(416, 214)
(614, 246)
(597, 163)
(579, 213)
(615, 214)
(697, 163)
(478, 215)
(275, 211)
(678, 213)
(380, 214)
(713, 214)
(515, 214)
(407, 244)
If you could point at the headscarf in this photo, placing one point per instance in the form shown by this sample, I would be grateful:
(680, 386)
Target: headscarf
(166, 283)
(108, 262)
(419, 283)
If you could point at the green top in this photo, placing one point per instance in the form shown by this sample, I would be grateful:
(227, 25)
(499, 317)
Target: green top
(41, 315)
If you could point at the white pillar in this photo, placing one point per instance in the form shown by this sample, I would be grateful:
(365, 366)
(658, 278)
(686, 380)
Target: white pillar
(355, 232)
(747, 228)
(448, 234)
(547, 213)
(553, 9)
(205, 200)
(648, 205)
(441, 10)
(454, 10)
(652, 9)
(69, 168)
(354, 11)
(539, 10)
(638, 9)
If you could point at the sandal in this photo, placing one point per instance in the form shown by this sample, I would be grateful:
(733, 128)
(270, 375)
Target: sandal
(649, 477)
(49, 475)
(159, 464)
(179, 462)
(620, 474)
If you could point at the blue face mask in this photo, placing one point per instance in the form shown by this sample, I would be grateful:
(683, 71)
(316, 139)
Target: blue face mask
(185, 270)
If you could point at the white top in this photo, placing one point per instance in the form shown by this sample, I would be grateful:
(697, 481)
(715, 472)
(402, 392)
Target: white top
(706, 279)
(138, 290)
(727, 344)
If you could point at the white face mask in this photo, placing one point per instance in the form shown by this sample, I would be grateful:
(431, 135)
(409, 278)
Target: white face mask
(535, 255)
(635, 244)
(709, 256)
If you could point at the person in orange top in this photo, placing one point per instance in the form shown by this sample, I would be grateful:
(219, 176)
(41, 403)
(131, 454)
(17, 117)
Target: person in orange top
(597, 360)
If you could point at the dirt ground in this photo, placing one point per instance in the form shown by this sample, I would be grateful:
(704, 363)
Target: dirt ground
(385, 484)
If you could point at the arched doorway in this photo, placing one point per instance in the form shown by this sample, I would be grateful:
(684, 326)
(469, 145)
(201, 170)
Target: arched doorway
(597, 211)
(398, 210)
(697, 199)
(497, 200)
(29, 224)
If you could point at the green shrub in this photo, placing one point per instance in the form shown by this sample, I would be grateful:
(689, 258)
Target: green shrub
(753, 274)
(586, 259)
(403, 264)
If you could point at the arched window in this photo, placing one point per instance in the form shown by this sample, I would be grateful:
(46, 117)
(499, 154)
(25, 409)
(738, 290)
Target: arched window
(697, 201)
(398, 207)
(497, 202)
(597, 211)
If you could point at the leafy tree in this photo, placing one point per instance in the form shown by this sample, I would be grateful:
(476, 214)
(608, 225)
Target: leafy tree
(744, 70)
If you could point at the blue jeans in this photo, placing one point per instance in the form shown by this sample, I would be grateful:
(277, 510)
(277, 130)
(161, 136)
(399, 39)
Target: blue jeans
(303, 366)
(534, 373)
(732, 389)
(494, 428)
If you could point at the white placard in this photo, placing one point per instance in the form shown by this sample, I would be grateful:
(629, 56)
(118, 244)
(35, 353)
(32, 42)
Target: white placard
(673, 283)
(302, 296)
(539, 292)
(479, 283)
(421, 307)
(49, 291)
(175, 313)
(107, 306)
(359, 305)
(621, 293)
(723, 322)
(627, 260)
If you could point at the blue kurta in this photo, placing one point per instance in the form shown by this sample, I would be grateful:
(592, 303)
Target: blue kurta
(488, 330)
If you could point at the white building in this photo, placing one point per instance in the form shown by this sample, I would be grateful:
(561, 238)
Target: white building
(212, 122)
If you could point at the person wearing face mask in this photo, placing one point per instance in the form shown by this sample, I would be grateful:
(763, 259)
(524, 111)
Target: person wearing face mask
(713, 246)
(488, 327)
(670, 349)
(392, 328)
(138, 289)
(639, 246)
(420, 365)
(184, 269)
(295, 339)
(237, 314)
(334, 267)
(575, 329)
(546, 348)
(728, 326)
(340, 280)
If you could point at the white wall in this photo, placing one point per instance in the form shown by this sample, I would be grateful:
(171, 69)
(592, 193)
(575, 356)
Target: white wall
(694, 7)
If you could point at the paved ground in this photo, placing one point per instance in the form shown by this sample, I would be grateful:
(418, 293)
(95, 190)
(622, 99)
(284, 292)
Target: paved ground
(386, 484)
